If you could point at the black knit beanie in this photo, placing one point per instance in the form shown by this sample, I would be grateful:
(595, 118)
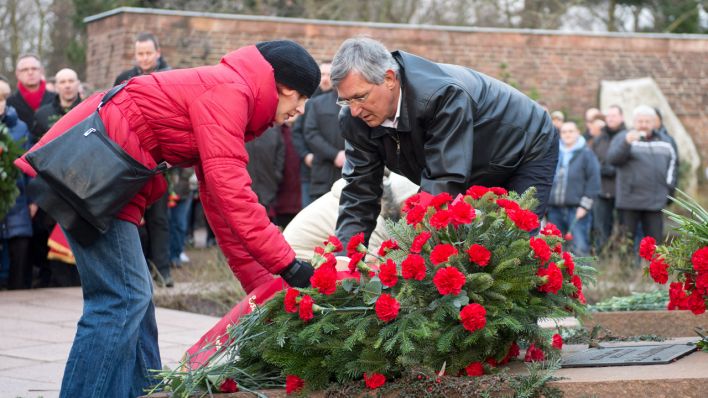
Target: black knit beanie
(292, 64)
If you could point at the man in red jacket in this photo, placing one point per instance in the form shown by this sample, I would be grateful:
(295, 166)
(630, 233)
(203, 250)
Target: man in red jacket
(198, 117)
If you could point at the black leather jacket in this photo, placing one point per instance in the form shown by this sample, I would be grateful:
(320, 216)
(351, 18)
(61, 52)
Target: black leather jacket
(457, 127)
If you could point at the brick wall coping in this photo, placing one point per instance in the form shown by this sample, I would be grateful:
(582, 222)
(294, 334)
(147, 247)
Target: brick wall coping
(379, 25)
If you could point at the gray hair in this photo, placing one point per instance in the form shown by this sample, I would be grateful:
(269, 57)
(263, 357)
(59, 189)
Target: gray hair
(363, 55)
(644, 110)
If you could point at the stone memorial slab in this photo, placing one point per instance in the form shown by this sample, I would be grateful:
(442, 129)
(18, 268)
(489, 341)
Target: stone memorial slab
(646, 354)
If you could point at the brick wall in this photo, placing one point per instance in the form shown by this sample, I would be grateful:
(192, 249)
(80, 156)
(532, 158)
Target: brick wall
(565, 70)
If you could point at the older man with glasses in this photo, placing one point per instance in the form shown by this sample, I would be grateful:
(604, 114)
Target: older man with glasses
(444, 127)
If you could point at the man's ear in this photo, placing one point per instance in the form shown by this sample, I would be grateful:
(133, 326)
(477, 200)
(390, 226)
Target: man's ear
(390, 79)
(285, 90)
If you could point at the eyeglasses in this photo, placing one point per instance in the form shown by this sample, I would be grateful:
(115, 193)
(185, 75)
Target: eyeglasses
(356, 100)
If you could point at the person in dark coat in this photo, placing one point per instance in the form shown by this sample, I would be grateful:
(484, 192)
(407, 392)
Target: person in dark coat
(266, 160)
(16, 226)
(325, 141)
(31, 89)
(148, 58)
(67, 86)
(575, 187)
(444, 127)
(288, 202)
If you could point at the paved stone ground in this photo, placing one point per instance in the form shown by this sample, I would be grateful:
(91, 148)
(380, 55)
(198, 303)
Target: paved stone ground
(38, 326)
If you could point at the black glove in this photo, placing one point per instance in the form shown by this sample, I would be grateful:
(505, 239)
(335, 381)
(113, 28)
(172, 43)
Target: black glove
(298, 273)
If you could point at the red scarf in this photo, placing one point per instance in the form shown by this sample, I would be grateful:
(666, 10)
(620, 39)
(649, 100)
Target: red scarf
(33, 98)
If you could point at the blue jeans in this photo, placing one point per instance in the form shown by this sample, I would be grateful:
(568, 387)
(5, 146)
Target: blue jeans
(564, 218)
(179, 219)
(116, 339)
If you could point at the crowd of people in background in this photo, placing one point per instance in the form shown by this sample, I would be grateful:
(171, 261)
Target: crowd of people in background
(607, 177)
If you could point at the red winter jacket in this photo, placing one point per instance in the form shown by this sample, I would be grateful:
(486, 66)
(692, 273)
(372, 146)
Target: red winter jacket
(201, 117)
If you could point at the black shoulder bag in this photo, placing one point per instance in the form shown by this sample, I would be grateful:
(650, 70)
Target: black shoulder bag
(84, 178)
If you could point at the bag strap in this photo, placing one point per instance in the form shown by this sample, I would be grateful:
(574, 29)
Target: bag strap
(107, 97)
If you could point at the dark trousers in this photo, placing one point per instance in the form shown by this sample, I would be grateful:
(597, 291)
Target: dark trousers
(537, 173)
(602, 220)
(652, 223)
(20, 275)
(155, 236)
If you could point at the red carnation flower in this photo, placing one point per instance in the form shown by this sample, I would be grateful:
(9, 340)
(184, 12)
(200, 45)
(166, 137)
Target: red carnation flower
(659, 270)
(290, 300)
(557, 342)
(356, 258)
(449, 280)
(479, 255)
(333, 244)
(647, 247)
(388, 273)
(525, 220)
(512, 353)
(441, 219)
(461, 213)
(699, 259)
(356, 244)
(416, 215)
(534, 354)
(375, 380)
(413, 267)
(324, 279)
(568, 236)
(442, 252)
(696, 303)
(678, 300)
(421, 199)
(473, 317)
(387, 246)
(578, 283)
(229, 385)
(306, 308)
(293, 384)
(540, 249)
(569, 263)
(499, 191)
(702, 283)
(476, 191)
(474, 369)
(554, 278)
(550, 229)
(387, 308)
(558, 248)
(440, 200)
(508, 204)
(419, 241)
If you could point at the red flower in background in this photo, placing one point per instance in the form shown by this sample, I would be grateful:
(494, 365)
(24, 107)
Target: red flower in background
(578, 283)
(290, 300)
(442, 252)
(647, 247)
(440, 200)
(421, 199)
(461, 213)
(306, 308)
(540, 249)
(356, 258)
(474, 369)
(416, 215)
(419, 241)
(677, 297)
(499, 191)
(479, 254)
(696, 303)
(387, 308)
(375, 380)
(473, 317)
(550, 229)
(336, 244)
(702, 283)
(569, 263)
(387, 246)
(440, 219)
(476, 191)
(534, 354)
(325, 279)
(557, 341)
(388, 273)
(449, 280)
(229, 385)
(525, 220)
(554, 280)
(699, 259)
(568, 236)
(356, 244)
(512, 353)
(659, 270)
(508, 204)
(293, 384)
(558, 248)
(413, 267)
